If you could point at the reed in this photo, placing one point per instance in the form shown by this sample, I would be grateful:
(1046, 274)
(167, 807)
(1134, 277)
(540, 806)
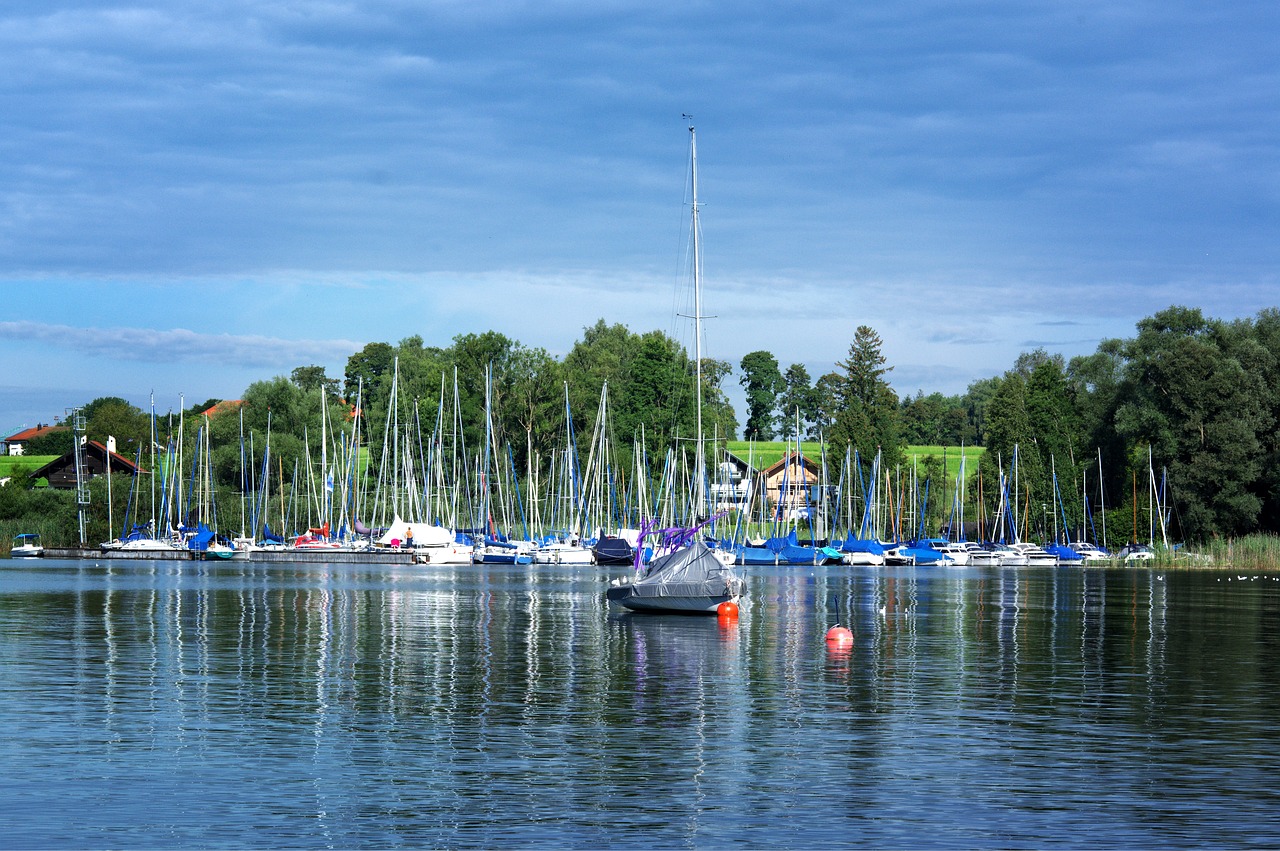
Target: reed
(1259, 551)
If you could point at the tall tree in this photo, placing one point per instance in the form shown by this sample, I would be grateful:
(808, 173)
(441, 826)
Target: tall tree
(1195, 394)
(763, 381)
(313, 377)
(1011, 459)
(868, 418)
(1265, 330)
(864, 369)
(366, 367)
(717, 413)
(796, 401)
(826, 402)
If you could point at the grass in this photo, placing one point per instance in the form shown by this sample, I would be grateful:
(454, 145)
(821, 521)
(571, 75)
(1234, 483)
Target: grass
(765, 454)
(1259, 551)
(31, 463)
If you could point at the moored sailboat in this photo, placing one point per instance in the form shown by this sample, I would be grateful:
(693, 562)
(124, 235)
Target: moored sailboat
(684, 575)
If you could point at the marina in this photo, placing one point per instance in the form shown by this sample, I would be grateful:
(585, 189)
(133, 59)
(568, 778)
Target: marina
(182, 704)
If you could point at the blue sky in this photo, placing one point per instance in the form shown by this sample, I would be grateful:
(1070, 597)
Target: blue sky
(197, 195)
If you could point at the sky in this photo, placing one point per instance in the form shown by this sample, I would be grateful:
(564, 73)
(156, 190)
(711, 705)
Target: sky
(198, 195)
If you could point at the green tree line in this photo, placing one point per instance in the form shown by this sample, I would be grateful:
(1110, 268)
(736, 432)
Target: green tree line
(1186, 409)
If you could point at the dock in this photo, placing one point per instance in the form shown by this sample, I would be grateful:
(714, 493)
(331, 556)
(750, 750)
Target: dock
(396, 556)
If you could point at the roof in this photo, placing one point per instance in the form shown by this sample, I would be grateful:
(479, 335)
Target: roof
(118, 461)
(223, 407)
(61, 470)
(32, 433)
(789, 459)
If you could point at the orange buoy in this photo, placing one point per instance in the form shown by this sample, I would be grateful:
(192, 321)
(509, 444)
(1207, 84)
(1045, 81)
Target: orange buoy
(728, 609)
(839, 635)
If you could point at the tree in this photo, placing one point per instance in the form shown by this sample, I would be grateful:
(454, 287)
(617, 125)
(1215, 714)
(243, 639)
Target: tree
(763, 381)
(826, 402)
(658, 393)
(863, 371)
(922, 418)
(366, 368)
(868, 417)
(1011, 462)
(1195, 395)
(603, 354)
(313, 377)
(111, 416)
(719, 419)
(796, 401)
(1265, 330)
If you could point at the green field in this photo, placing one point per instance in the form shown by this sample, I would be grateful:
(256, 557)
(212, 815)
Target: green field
(763, 455)
(29, 462)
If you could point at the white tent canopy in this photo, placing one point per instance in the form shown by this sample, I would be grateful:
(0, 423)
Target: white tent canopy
(424, 534)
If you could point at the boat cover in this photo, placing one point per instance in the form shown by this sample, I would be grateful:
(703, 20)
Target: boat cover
(691, 571)
(613, 550)
(424, 534)
(862, 545)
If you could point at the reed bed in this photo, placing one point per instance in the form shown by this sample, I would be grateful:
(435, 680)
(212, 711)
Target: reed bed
(1259, 551)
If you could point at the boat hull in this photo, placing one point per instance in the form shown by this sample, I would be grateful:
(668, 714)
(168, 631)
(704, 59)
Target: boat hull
(625, 596)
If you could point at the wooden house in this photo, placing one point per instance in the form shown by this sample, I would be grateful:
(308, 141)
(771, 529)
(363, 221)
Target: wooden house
(61, 472)
(792, 484)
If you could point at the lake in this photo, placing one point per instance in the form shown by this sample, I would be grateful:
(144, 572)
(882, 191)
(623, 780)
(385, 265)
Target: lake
(208, 705)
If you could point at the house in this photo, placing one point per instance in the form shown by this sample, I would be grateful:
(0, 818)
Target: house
(792, 484)
(15, 444)
(61, 472)
(731, 483)
(226, 406)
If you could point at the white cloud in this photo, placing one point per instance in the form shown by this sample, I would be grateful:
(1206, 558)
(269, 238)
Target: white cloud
(156, 346)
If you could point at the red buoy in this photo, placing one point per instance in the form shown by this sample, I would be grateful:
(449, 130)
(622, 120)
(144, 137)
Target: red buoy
(728, 609)
(839, 635)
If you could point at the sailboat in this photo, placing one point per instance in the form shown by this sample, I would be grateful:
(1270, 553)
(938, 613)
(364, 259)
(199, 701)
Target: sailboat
(690, 578)
(685, 575)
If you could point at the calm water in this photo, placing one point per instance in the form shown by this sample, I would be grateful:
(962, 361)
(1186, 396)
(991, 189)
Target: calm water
(184, 705)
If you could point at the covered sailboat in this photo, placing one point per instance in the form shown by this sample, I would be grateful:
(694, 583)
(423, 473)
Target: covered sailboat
(691, 579)
(684, 575)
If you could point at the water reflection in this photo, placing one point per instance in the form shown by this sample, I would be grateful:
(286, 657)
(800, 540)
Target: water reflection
(460, 706)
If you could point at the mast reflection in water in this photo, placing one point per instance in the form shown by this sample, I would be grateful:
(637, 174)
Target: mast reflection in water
(180, 704)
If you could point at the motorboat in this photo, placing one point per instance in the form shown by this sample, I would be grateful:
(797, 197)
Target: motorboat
(1036, 555)
(1066, 555)
(916, 553)
(1010, 557)
(569, 550)
(957, 552)
(140, 540)
(1090, 553)
(862, 551)
(613, 550)
(983, 554)
(1135, 552)
(26, 546)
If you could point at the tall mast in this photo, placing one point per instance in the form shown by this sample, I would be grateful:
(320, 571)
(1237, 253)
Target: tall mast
(701, 460)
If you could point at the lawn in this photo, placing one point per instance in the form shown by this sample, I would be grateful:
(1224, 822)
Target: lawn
(29, 462)
(764, 454)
